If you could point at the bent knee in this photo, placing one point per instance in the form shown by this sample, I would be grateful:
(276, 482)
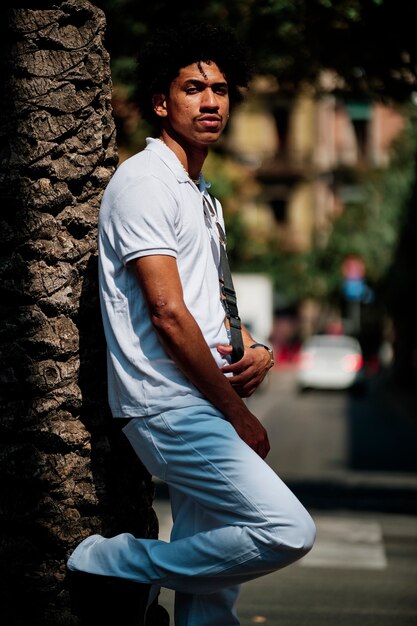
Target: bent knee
(296, 538)
(307, 535)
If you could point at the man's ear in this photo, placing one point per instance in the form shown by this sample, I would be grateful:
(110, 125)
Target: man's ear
(159, 103)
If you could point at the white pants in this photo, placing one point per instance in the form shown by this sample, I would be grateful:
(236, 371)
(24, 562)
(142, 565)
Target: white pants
(234, 519)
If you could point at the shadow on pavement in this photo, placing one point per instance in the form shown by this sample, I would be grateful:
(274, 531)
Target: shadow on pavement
(382, 429)
(381, 472)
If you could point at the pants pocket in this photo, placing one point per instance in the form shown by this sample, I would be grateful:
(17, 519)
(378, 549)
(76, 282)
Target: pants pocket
(140, 437)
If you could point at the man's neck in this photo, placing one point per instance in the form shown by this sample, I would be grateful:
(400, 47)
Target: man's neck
(191, 157)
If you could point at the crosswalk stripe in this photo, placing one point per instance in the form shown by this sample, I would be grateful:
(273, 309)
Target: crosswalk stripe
(347, 544)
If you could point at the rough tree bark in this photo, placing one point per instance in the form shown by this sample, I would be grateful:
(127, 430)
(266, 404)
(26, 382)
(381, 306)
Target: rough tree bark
(65, 474)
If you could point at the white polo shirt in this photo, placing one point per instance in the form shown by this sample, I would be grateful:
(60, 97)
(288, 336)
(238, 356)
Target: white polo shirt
(151, 207)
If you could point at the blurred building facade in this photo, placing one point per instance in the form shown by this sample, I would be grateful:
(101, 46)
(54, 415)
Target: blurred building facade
(307, 152)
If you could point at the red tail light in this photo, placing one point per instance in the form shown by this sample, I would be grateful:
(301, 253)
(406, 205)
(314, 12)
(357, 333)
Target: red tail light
(352, 362)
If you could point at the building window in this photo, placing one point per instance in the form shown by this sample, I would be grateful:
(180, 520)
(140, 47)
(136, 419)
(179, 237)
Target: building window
(360, 115)
(279, 207)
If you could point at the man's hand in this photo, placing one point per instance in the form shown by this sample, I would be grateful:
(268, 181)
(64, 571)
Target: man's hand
(249, 372)
(250, 429)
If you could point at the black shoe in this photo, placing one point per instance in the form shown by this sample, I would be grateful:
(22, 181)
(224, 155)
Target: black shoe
(100, 600)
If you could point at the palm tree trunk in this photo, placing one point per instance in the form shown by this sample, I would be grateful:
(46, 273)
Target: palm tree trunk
(65, 473)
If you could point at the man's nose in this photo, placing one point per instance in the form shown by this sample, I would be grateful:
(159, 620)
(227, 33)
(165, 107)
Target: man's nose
(209, 99)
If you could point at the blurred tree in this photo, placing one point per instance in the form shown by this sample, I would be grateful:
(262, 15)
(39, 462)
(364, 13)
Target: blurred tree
(369, 227)
(370, 43)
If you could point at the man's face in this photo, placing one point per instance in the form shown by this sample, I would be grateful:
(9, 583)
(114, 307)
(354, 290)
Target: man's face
(197, 106)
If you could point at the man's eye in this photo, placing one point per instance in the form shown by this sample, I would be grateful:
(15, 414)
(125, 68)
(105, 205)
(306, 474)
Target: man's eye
(223, 91)
(191, 90)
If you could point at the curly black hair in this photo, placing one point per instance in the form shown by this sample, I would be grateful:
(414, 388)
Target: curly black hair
(168, 50)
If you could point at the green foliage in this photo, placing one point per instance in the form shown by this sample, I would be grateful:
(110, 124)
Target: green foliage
(368, 228)
(371, 43)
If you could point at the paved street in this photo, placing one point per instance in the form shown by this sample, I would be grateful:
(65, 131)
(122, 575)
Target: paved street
(352, 460)
(361, 572)
(341, 450)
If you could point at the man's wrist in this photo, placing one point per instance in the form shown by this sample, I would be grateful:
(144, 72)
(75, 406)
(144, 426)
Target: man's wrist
(270, 351)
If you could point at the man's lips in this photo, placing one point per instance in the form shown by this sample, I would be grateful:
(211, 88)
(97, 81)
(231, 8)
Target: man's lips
(210, 121)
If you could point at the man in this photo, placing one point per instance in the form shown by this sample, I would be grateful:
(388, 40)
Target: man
(169, 365)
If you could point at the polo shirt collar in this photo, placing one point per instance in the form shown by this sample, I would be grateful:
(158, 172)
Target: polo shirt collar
(172, 161)
(168, 157)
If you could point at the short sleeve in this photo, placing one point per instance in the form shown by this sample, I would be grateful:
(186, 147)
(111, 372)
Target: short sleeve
(143, 220)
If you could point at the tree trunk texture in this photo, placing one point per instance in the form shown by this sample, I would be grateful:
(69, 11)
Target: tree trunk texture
(66, 471)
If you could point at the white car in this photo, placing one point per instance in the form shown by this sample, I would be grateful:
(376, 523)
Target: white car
(330, 362)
